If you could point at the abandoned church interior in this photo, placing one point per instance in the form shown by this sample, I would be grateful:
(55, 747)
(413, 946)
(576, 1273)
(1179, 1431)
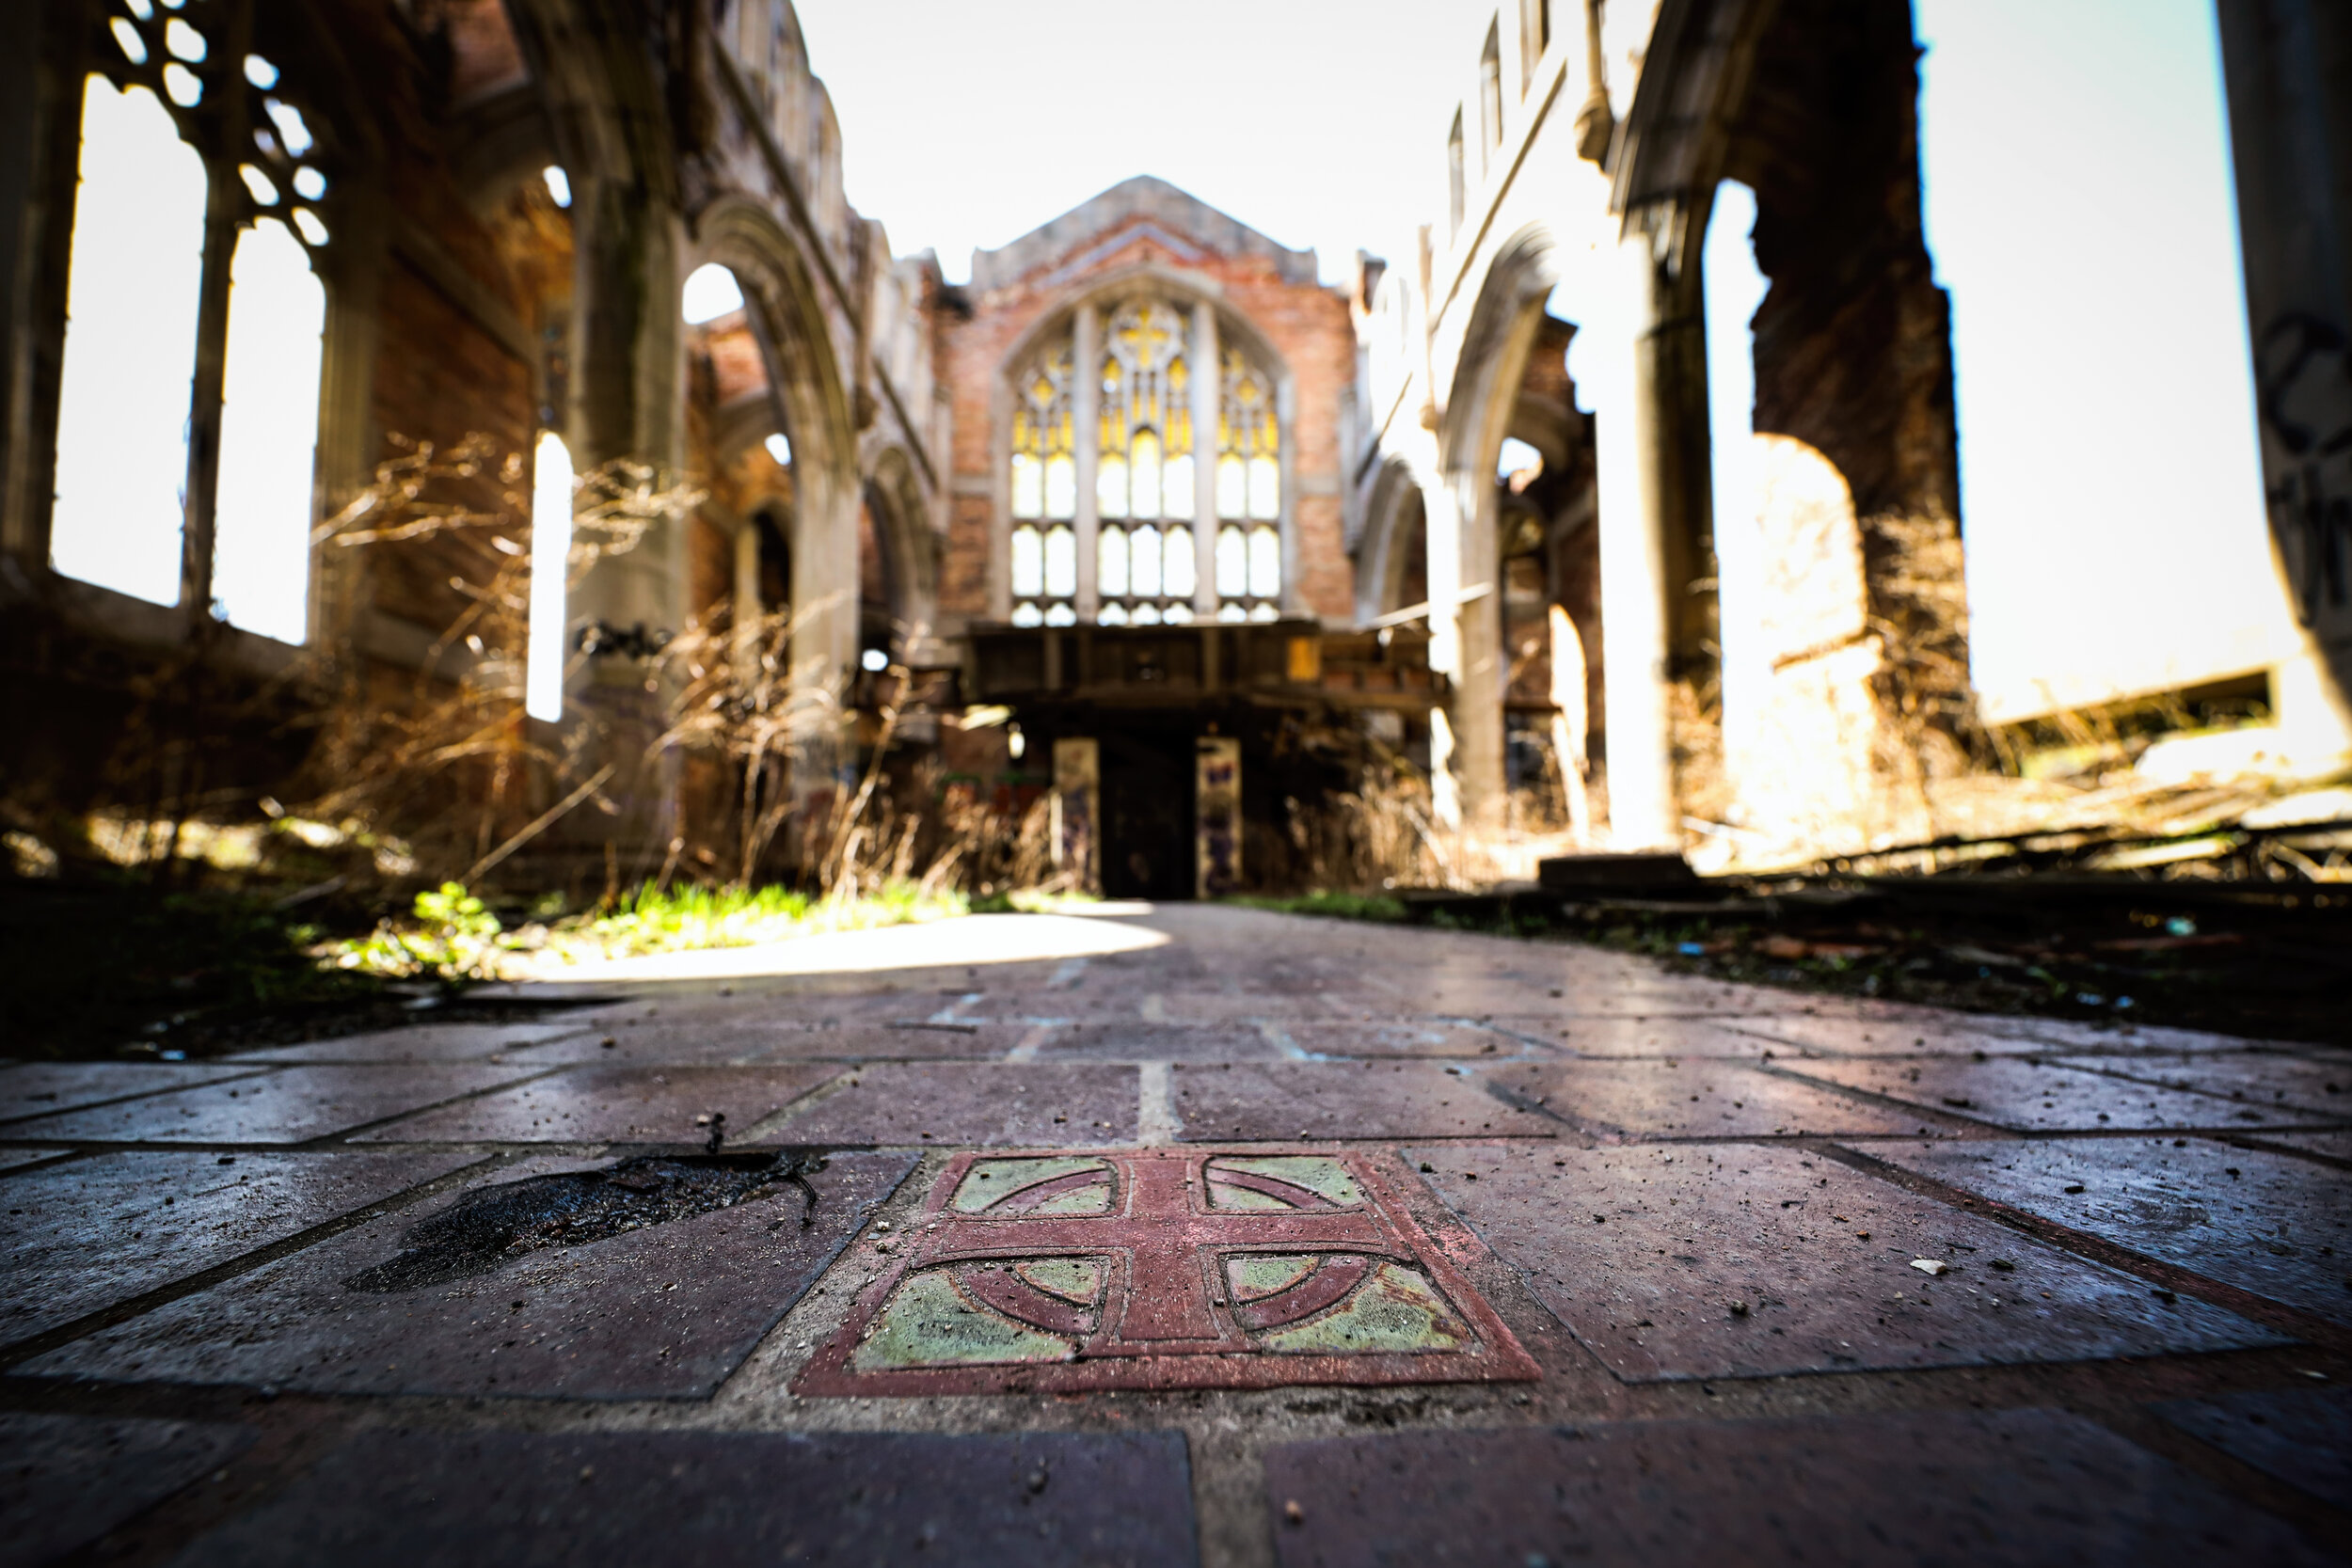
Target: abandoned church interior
(504, 570)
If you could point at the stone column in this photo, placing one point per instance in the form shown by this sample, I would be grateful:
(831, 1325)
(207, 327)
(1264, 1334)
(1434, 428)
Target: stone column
(747, 606)
(1443, 533)
(1086, 405)
(628, 356)
(1654, 531)
(1208, 383)
(2285, 64)
(824, 620)
(1478, 689)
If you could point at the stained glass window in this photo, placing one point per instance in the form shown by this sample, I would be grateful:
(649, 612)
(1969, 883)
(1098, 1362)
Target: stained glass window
(1143, 553)
(1146, 492)
(1045, 555)
(1249, 495)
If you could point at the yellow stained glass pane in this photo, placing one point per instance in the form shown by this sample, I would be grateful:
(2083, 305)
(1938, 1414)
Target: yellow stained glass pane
(1028, 487)
(1183, 572)
(1110, 563)
(1061, 486)
(1145, 486)
(1176, 497)
(1111, 486)
(1061, 563)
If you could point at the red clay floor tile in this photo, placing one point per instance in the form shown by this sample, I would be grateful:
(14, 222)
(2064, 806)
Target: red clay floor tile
(285, 1106)
(615, 1105)
(725, 1499)
(1747, 1260)
(1167, 1268)
(949, 1103)
(666, 1311)
(1298, 1101)
(85, 1234)
(2001, 1489)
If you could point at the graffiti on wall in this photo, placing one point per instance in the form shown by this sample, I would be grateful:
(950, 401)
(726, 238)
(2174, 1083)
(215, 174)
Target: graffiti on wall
(2305, 395)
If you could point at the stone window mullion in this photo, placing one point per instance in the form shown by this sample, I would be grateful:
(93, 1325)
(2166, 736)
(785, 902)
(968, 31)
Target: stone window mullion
(1204, 400)
(1087, 396)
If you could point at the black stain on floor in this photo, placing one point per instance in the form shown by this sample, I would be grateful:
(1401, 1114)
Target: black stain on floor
(487, 1228)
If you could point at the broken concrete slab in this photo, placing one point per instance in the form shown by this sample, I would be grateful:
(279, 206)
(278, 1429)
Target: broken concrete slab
(2304, 1436)
(394, 1498)
(1694, 1098)
(2036, 1095)
(66, 1481)
(1324, 1101)
(423, 1042)
(2002, 1489)
(44, 1088)
(283, 1105)
(940, 1103)
(1743, 1260)
(666, 1311)
(2321, 1087)
(83, 1235)
(616, 1105)
(2272, 1224)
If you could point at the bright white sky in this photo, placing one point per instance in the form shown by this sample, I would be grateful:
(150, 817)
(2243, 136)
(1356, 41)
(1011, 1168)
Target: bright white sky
(1320, 123)
(2080, 210)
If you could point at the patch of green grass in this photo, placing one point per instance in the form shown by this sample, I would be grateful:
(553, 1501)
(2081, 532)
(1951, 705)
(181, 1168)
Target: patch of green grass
(676, 920)
(1338, 906)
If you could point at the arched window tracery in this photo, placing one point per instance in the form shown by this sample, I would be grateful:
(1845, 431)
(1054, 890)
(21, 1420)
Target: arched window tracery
(1156, 482)
(1249, 495)
(193, 481)
(1044, 558)
(1146, 570)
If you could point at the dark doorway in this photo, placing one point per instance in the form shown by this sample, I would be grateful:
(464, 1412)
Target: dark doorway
(1147, 815)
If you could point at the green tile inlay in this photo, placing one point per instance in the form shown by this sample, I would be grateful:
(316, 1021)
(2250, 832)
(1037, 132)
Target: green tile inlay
(1394, 1311)
(1257, 1277)
(1326, 1178)
(928, 1322)
(990, 1183)
(1078, 1280)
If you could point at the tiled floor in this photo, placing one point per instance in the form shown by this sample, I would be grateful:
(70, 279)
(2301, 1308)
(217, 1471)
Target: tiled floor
(1241, 1239)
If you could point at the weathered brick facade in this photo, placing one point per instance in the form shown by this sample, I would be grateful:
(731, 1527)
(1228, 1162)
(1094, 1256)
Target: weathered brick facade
(1145, 227)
